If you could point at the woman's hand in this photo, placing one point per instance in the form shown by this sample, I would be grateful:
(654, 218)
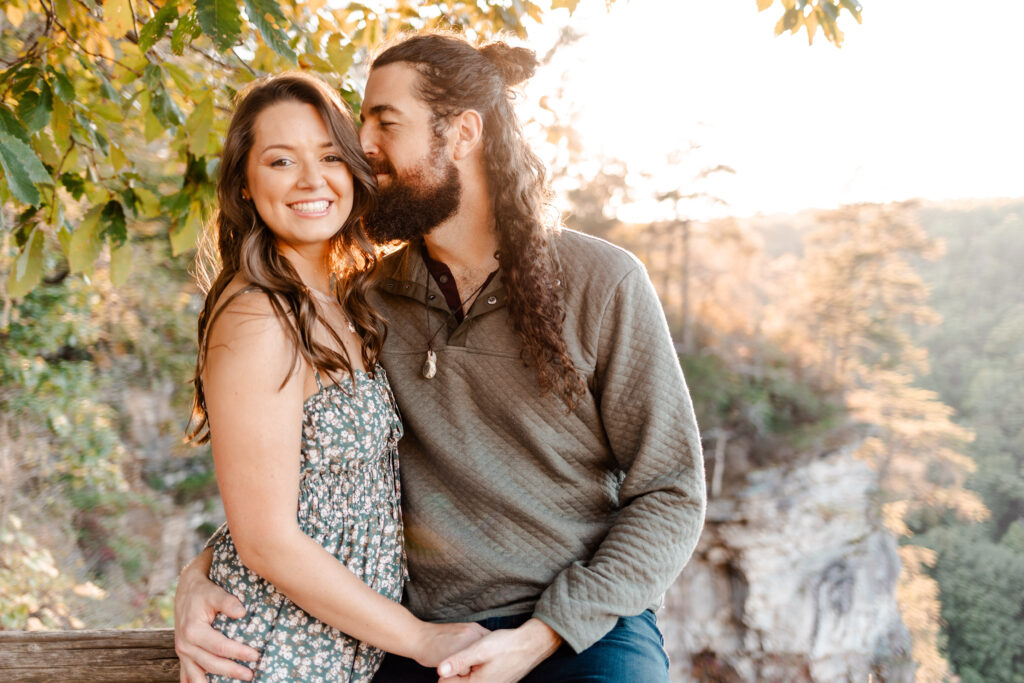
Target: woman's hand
(438, 641)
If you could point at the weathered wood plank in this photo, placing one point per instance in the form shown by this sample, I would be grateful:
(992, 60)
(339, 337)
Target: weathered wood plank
(140, 656)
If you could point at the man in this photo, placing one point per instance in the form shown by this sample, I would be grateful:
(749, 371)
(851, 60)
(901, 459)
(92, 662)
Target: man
(553, 484)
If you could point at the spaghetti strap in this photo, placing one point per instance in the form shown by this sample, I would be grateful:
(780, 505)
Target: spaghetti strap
(316, 376)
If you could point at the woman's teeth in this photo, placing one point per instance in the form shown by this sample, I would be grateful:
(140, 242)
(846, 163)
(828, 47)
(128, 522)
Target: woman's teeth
(311, 207)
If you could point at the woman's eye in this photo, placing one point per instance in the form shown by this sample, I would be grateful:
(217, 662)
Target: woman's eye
(333, 159)
(281, 162)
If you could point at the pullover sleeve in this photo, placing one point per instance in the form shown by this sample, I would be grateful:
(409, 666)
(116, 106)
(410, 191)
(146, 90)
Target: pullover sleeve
(649, 422)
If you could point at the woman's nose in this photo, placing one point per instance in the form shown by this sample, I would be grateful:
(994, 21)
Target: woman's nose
(311, 177)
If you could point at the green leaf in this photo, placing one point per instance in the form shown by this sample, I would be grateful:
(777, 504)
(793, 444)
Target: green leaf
(24, 79)
(22, 169)
(341, 57)
(164, 107)
(185, 32)
(112, 223)
(62, 85)
(154, 29)
(34, 107)
(185, 234)
(85, 242)
(221, 21)
(74, 184)
(10, 124)
(28, 269)
(266, 16)
(120, 263)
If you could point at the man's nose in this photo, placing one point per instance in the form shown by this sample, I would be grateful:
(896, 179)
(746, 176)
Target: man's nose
(367, 141)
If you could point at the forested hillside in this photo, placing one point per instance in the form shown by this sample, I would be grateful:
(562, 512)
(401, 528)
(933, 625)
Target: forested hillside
(977, 364)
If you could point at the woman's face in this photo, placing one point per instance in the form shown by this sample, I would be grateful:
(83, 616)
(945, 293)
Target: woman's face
(296, 177)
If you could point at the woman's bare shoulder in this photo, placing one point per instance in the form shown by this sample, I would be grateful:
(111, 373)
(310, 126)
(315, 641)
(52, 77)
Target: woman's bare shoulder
(244, 313)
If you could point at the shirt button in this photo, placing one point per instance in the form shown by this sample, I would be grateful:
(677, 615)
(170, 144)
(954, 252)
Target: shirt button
(443, 279)
(432, 297)
(492, 300)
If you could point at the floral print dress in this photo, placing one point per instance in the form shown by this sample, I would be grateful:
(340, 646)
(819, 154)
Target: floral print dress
(349, 504)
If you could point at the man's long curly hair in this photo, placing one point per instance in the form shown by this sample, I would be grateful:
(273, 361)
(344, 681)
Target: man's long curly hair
(455, 76)
(241, 245)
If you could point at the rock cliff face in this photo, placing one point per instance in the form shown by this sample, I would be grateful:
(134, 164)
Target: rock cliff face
(794, 579)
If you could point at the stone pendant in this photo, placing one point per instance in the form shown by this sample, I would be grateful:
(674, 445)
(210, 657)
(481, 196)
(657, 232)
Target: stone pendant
(430, 365)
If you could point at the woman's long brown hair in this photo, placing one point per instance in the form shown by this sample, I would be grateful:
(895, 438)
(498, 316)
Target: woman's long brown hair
(245, 247)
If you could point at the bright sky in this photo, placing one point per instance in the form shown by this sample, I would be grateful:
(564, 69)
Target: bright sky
(923, 100)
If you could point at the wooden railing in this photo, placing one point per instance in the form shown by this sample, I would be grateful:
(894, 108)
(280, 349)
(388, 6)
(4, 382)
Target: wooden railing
(139, 656)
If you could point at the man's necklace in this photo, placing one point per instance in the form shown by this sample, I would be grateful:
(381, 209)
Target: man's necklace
(430, 362)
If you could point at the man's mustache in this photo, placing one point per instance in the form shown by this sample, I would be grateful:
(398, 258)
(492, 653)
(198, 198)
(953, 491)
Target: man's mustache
(381, 167)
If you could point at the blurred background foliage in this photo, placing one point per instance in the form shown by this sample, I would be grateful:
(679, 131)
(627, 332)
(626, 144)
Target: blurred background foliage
(899, 326)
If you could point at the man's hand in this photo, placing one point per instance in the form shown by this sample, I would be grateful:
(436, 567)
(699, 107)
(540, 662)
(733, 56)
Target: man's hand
(200, 647)
(439, 641)
(502, 656)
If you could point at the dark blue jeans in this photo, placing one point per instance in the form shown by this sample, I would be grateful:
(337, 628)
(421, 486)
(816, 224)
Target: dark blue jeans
(632, 652)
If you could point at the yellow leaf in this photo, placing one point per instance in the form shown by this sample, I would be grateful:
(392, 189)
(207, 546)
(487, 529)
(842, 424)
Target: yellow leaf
(121, 264)
(108, 110)
(149, 203)
(811, 22)
(71, 160)
(762, 5)
(60, 123)
(63, 11)
(45, 149)
(15, 15)
(117, 16)
(28, 268)
(199, 125)
(183, 236)
(117, 158)
(85, 242)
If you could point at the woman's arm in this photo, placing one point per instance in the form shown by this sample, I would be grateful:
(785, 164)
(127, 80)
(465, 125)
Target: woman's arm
(256, 431)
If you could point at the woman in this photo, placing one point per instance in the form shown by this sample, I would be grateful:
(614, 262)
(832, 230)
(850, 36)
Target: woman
(298, 413)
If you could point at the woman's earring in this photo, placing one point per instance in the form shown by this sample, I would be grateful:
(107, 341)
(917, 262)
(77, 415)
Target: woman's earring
(245, 195)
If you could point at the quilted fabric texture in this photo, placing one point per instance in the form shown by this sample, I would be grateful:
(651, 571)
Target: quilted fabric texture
(512, 504)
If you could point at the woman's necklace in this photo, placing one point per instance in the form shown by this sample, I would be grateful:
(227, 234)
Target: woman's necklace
(430, 362)
(331, 301)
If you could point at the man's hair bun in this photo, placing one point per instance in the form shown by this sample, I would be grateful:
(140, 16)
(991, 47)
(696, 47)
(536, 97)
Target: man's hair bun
(514, 64)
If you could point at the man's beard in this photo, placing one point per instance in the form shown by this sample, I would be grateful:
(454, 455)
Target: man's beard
(410, 207)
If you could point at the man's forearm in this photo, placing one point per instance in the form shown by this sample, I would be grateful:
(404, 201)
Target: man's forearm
(198, 566)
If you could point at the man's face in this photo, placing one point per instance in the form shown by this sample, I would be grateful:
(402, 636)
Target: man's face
(417, 179)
